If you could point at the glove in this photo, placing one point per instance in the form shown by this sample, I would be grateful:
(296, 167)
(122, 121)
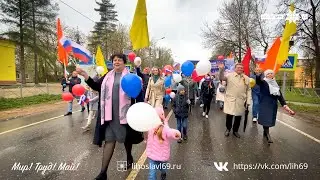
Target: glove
(188, 101)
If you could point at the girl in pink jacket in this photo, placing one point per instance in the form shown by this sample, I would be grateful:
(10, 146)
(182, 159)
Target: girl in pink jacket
(158, 146)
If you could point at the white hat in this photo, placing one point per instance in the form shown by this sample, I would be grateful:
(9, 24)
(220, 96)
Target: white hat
(268, 71)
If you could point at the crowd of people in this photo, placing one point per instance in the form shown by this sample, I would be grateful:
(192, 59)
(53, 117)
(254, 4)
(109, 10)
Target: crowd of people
(233, 93)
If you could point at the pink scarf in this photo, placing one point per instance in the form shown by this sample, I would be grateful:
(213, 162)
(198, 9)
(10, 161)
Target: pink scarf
(106, 99)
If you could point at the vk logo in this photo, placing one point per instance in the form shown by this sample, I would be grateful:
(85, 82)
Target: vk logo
(221, 166)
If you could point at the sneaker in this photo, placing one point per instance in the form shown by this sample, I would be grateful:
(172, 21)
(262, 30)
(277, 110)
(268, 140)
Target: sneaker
(207, 116)
(163, 176)
(203, 114)
(68, 114)
(180, 141)
(254, 120)
(185, 137)
(201, 105)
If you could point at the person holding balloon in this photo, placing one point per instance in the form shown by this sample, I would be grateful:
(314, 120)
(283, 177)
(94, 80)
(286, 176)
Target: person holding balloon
(116, 88)
(181, 110)
(158, 146)
(74, 80)
(155, 89)
(93, 97)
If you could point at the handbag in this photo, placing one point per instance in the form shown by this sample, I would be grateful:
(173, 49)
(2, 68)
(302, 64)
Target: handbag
(222, 89)
(134, 136)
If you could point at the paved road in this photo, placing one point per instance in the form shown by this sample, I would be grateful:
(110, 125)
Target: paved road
(61, 140)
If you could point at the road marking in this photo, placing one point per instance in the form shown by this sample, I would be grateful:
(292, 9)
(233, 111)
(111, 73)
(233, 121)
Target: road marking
(299, 131)
(134, 172)
(32, 124)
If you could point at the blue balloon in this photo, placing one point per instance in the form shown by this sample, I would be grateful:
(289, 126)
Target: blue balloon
(187, 68)
(167, 81)
(131, 84)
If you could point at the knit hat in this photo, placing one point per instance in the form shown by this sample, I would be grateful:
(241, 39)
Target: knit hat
(180, 88)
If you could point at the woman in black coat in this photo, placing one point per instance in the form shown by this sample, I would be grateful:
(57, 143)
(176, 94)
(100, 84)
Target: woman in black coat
(268, 107)
(207, 93)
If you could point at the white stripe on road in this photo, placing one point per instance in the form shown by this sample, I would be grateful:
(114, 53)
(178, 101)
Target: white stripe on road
(32, 124)
(299, 131)
(134, 172)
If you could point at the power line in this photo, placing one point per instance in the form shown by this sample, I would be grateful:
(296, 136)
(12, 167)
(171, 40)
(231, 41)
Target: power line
(77, 11)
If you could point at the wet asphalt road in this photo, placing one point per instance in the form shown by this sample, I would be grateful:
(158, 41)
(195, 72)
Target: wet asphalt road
(61, 140)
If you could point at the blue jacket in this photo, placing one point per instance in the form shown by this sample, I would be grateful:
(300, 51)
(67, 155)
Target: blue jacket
(256, 88)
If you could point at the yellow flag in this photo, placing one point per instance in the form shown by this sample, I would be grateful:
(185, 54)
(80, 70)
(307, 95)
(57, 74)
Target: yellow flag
(289, 30)
(139, 34)
(100, 60)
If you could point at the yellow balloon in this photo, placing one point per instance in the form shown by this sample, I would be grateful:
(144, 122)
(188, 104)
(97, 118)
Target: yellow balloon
(252, 82)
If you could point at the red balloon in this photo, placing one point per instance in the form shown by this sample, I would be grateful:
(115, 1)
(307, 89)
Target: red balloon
(78, 90)
(220, 57)
(131, 56)
(195, 76)
(66, 96)
(168, 91)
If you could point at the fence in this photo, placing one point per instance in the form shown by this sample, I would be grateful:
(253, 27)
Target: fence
(18, 91)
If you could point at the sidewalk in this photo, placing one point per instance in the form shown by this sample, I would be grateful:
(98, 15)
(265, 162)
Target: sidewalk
(304, 104)
(31, 110)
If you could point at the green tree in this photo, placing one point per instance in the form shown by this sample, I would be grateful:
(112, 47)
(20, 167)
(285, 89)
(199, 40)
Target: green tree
(104, 29)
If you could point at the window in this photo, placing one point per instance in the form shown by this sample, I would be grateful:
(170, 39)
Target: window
(27, 76)
(18, 75)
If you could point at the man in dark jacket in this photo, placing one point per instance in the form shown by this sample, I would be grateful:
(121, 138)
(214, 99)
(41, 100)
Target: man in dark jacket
(72, 82)
(63, 83)
(181, 110)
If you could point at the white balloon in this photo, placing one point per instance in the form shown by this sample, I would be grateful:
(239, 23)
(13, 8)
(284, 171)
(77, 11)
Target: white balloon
(172, 95)
(142, 117)
(203, 67)
(100, 69)
(137, 61)
(176, 78)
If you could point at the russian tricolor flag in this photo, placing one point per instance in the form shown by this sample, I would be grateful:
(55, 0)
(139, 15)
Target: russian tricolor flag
(77, 50)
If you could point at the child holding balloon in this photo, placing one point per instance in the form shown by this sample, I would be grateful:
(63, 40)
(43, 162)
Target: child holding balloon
(158, 146)
(181, 110)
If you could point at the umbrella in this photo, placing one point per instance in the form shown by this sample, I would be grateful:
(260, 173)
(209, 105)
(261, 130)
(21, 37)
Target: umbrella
(245, 118)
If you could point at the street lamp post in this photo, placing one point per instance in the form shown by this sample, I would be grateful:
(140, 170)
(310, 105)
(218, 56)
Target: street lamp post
(150, 54)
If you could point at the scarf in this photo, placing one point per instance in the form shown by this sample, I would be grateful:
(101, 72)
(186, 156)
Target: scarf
(106, 99)
(155, 78)
(273, 86)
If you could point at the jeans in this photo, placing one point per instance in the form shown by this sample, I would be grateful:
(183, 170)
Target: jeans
(70, 105)
(154, 166)
(91, 116)
(166, 102)
(255, 105)
(182, 125)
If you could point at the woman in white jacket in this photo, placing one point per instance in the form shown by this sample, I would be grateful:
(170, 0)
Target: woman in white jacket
(93, 97)
(220, 94)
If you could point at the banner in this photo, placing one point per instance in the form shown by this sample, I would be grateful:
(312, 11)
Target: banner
(228, 64)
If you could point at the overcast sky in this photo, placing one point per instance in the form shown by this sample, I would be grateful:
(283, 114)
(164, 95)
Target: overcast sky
(179, 21)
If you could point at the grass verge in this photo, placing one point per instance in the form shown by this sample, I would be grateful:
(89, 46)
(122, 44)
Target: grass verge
(11, 103)
(290, 96)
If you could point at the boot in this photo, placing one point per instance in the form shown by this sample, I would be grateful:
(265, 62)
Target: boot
(101, 176)
(236, 134)
(227, 132)
(163, 176)
(129, 162)
(267, 135)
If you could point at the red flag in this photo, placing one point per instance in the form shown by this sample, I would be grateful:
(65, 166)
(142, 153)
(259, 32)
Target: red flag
(246, 62)
(62, 54)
